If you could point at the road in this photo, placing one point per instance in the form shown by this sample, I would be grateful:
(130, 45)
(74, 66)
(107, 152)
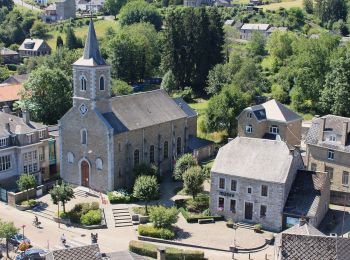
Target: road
(28, 6)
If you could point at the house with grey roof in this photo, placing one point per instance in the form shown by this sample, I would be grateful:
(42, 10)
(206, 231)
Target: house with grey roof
(34, 47)
(91, 252)
(308, 199)
(247, 30)
(251, 179)
(87, 6)
(102, 138)
(328, 149)
(8, 56)
(60, 10)
(270, 120)
(303, 241)
(15, 79)
(25, 147)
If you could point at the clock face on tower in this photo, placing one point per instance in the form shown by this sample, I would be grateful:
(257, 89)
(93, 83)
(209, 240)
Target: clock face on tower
(83, 109)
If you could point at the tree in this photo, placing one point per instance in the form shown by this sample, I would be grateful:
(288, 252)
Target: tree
(72, 42)
(329, 11)
(193, 180)
(47, 88)
(182, 164)
(335, 97)
(4, 73)
(134, 52)
(62, 193)
(279, 44)
(26, 182)
(139, 11)
(218, 77)
(169, 82)
(146, 189)
(145, 169)
(38, 30)
(113, 6)
(256, 45)
(7, 3)
(59, 42)
(225, 107)
(7, 230)
(308, 6)
(120, 88)
(163, 217)
(278, 93)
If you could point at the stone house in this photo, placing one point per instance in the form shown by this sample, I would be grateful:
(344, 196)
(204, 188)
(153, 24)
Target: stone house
(60, 10)
(328, 150)
(270, 120)
(25, 147)
(248, 29)
(93, 5)
(102, 138)
(251, 179)
(34, 47)
(8, 56)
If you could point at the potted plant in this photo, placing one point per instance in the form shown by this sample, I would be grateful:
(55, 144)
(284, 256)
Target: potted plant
(229, 223)
(257, 228)
(270, 239)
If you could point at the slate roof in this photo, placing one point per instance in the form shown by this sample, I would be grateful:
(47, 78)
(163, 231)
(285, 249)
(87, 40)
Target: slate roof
(185, 107)
(305, 194)
(91, 55)
(10, 92)
(5, 52)
(273, 28)
(37, 44)
(16, 79)
(254, 158)
(333, 124)
(91, 252)
(255, 26)
(17, 125)
(140, 110)
(195, 143)
(274, 111)
(294, 246)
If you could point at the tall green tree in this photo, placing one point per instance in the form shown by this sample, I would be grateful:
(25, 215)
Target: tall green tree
(38, 30)
(146, 189)
(139, 11)
(62, 193)
(185, 162)
(256, 45)
(4, 73)
(7, 230)
(47, 88)
(113, 6)
(329, 11)
(72, 42)
(7, 3)
(120, 88)
(224, 107)
(308, 6)
(26, 182)
(193, 180)
(59, 42)
(168, 82)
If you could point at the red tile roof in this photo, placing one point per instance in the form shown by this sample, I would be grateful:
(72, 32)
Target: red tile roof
(10, 92)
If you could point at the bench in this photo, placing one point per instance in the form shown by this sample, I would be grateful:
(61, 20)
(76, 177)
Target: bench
(205, 220)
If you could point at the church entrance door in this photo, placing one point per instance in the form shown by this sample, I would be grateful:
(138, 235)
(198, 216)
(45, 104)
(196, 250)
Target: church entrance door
(85, 174)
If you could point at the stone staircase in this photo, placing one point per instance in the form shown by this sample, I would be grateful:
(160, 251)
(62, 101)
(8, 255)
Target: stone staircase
(245, 225)
(122, 217)
(80, 193)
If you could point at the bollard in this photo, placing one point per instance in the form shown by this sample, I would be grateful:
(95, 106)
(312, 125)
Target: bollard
(249, 256)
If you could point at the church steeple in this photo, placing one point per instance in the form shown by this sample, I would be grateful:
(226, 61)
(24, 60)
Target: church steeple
(92, 50)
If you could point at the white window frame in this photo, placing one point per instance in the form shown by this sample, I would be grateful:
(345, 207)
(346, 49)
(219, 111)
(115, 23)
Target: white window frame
(263, 216)
(274, 129)
(330, 155)
(4, 142)
(224, 183)
(236, 185)
(218, 205)
(345, 173)
(99, 164)
(332, 138)
(30, 138)
(249, 129)
(251, 190)
(5, 163)
(261, 189)
(70, 157)
(41, 134)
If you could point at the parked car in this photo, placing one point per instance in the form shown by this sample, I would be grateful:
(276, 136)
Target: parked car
(32, 254)
(18, 239)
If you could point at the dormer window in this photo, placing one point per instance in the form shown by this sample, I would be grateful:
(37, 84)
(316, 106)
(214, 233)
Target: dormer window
(102, 83)
(30, 138)
(332, 138)
(3, 142)
(274, 129)
(83, 84)
(41, 134)
(248, 129)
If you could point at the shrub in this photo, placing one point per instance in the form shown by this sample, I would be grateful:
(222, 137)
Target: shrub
(145, 169)
(119, 196)
(93, 217)
(64, 215)
(199, 204)
(95, 205)
(257, 227)
(150, 250)
(151, 231)
(193, 180)
(187, 94)
(163, 217)
(31, 203)
(182, 164)
(81, 209)
(194, 218)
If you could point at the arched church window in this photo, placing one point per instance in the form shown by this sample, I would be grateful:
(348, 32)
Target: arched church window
(178, 146)
(102, 83)
(83, 83)
(136, 157)
(83, 135)
(151, 154)
(99, 164)
(70, 157)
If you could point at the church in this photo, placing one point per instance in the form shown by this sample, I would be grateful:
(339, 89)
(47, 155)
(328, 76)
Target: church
(102, 138)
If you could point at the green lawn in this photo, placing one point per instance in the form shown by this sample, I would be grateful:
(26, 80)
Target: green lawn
(100, 28)
(285, 4)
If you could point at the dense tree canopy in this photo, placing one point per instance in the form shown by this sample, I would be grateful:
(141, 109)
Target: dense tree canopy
(113, 6)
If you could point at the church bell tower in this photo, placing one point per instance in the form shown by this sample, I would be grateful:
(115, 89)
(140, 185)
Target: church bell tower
(91, 78)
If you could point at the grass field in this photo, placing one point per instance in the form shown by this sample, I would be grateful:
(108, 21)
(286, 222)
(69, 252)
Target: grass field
(285, 4)
(100, 27)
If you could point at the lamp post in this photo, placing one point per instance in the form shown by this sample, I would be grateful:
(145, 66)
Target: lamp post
(23, 226)
(58, 211)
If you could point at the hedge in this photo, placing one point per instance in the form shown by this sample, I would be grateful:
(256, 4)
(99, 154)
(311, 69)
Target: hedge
(194, 219)
(119, 198)
(171, 253)
(151, 231)
(93, 217)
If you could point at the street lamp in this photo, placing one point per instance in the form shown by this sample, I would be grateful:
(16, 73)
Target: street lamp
(23, 226)
(58, 212)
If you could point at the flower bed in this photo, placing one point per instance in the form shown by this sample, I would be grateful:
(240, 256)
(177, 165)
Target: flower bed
(151, 231)
(26, 204)
(119, 196)
(150, 250)
(193, 218)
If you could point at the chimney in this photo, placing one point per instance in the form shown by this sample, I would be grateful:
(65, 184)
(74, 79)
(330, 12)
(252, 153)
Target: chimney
(6, 109)
(344, 136)
(322, 126)
(26, 116)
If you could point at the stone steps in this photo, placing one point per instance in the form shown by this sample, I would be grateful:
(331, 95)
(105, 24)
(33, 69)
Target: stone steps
(80, 193)
(122, 217)
(245, 225)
